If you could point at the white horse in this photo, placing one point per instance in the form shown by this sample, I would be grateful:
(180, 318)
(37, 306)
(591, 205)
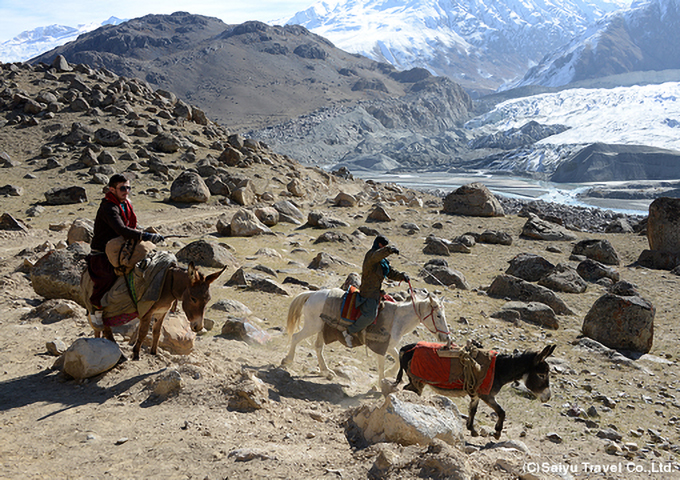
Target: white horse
(406, 316)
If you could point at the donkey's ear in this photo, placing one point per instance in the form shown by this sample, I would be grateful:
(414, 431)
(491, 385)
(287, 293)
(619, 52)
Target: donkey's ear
(547, 351)
(213, 276)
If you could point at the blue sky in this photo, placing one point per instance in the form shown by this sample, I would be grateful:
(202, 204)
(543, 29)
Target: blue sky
(17, 16)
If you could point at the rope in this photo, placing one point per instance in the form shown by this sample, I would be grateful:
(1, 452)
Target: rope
(471, 369)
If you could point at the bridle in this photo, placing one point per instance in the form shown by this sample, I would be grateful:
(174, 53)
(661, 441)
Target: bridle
(431, 314)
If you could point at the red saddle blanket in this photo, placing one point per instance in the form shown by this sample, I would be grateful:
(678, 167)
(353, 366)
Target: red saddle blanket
(350, 311)
(446, 372)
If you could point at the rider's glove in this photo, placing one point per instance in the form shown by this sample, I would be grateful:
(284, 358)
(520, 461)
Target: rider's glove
(152, 237)
(394, 249)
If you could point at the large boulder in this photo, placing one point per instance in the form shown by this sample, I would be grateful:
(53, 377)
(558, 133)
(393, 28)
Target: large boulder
(621, 322)
(663, 225)
(289, 212)
(529, 267)
(81, 230)
(474, 200)
(245, 223)
(539, 229)
(66, 195)
(405, 423)
(507, 286)
(176, 335)
(88, 357)
(592, 271)
(599, 250)
(189, 187)
(57, 274)
(564, 278)
(207, 254)
(532, 312)
(444, 276)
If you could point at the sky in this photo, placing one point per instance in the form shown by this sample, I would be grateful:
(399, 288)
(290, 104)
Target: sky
(17, 16)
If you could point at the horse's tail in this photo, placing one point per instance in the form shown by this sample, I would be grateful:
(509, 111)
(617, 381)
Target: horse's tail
(295, 312)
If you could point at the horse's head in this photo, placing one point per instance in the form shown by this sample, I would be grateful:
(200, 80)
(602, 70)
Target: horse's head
(537, 380)
(197, 296)
(438, 319)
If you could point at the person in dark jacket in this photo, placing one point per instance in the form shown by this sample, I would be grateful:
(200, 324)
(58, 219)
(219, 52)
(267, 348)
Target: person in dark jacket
(115, 218)
(375, 269)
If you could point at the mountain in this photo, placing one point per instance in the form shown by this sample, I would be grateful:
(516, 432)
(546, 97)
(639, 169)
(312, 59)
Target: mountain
(643, 38)
(480, 44)
(255, 75)
(32, 43)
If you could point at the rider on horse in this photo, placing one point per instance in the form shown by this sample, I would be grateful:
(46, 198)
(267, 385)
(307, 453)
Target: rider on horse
(115, 218)
(375, 268)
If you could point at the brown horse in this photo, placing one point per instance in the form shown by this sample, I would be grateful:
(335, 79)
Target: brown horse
(530, 367)
(190, 287)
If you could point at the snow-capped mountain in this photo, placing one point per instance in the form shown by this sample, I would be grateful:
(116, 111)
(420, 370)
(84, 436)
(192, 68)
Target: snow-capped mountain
(479, 43)
(32, 43)
(642, 38)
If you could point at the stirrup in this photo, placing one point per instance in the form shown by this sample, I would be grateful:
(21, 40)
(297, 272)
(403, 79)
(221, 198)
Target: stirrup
(98, 318)
(348, 338)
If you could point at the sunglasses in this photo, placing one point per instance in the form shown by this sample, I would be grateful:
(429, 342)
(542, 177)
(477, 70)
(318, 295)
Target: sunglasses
(125, 188)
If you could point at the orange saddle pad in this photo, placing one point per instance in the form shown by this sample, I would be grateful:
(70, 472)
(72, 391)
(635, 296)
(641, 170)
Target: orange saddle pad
(349, 310)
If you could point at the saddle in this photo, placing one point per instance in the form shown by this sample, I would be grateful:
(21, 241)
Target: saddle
(461, 368)
(124, 254)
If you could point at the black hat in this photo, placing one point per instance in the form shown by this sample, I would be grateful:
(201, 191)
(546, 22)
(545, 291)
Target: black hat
(379, 241)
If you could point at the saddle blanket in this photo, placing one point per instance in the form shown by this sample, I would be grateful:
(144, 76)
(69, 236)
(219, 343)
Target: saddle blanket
(350, 311)
(147, 280)
(447, 372)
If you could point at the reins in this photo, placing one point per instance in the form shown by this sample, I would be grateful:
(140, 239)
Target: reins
(431, 314)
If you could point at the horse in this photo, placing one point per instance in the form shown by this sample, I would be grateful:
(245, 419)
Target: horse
(406, 316)
(189, 286)
(530, 367)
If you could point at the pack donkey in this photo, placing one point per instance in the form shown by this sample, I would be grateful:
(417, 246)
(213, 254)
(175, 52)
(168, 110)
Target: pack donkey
(530, 367)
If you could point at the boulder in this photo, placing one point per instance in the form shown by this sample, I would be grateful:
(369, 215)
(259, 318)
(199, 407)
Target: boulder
(443, 275)
(436, 246)
(321, 220)
(289, 211)
(207, 254)
(189, 187)
(168, 382)
(245, 223)
(343, 199)
(88, 357)
(529, 267)
(267, 215)
(474, 200)
(231, 157)
(658, 259)
(507, 286)
(533, 312)
(232, 307)
(564, 278)
(663, 225)
(247, 394)
(538, 229)
(81, 230)
(405, 423)
(217, 186)
(66, 195)
(324, 260)
(335, 237)
(176, 335)
(591, 271)
(379, 214)
(244, 195)
(244, 329)
(599, 250)
(8, 222)
(296, 188)
(57, 273)
(494, 237)
(621, 322)
(110, 138)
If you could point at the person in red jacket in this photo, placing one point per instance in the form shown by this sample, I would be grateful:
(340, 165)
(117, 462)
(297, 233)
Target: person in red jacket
(115, 218)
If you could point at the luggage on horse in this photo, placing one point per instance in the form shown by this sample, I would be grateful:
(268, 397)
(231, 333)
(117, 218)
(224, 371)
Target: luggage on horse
(124, 254)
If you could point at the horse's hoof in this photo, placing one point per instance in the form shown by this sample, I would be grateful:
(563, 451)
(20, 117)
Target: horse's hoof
(122, 360)
(497, 435)
(474, 433)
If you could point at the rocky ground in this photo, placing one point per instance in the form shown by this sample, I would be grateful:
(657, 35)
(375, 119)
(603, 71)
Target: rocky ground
(609, 417)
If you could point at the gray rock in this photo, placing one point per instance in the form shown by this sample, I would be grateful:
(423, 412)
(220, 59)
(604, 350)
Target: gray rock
(287, 208)
(57, 273)
(81, 230)
(110, 138)
(494, 237)
(529, 267)
(66, 195)
(166, 143)
(507, 286)
(88, 357)
(8, 222)
(245, 223)
(244, 329)
(599, 250)
(621, 323)
(189, 187)
(592, 271)
(379, 214)
(538, 229)
(321, 220)
(532, 312)
(663, 225)
(207, 254)
(564, 278)
(475, 200)
(324, 260)
(440, 275)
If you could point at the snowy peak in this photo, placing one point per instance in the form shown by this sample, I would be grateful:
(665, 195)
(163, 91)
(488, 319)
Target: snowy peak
(479, 43)
(32, 43)
(643, 38)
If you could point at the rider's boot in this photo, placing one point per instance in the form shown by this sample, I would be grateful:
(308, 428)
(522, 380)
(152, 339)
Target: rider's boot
(348, 338)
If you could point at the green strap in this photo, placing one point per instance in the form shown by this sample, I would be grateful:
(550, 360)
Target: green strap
(130, 282)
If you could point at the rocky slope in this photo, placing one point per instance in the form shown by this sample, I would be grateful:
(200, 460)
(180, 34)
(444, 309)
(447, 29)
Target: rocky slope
(606, 409)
